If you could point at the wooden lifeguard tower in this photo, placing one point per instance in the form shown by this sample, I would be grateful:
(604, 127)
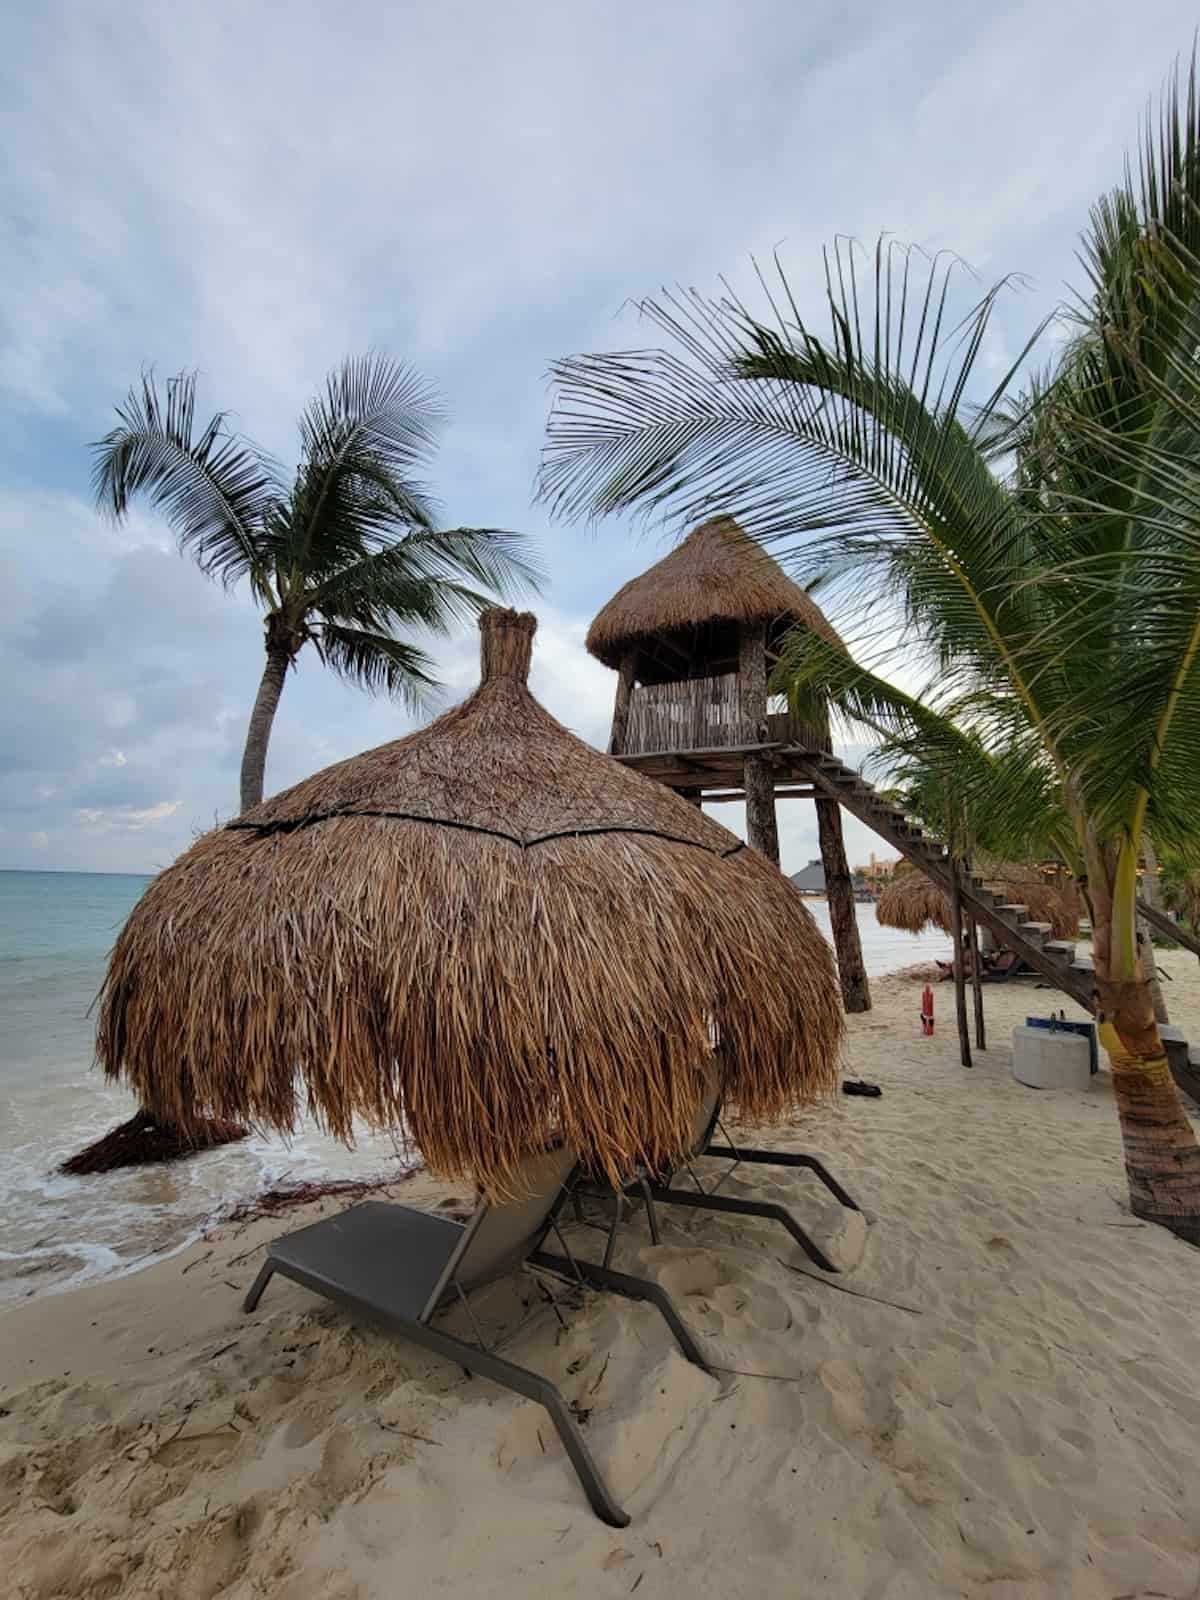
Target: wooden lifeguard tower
(693, 641)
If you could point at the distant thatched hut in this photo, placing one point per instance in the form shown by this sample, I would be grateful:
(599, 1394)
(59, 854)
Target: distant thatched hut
(811, 879)
(912, 902)
(486, 929)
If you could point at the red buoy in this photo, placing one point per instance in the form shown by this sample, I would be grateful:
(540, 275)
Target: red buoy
(927, 1011)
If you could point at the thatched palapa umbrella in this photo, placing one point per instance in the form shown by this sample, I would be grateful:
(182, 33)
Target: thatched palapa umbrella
(487, 930)
(911, 901)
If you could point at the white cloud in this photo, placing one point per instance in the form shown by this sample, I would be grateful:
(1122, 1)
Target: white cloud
(483, 192)
(129, 817)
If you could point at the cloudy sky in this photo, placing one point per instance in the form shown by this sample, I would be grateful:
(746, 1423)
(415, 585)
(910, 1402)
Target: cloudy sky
(257, 191)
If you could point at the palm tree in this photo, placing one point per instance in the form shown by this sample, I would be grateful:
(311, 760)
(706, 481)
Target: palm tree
(342, 556)
(1039, 549)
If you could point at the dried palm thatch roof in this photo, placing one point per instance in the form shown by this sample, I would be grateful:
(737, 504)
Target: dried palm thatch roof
(911, 901)
(718, 575)
(487, 930)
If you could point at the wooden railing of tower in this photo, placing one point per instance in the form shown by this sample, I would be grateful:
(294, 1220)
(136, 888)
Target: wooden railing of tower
(693, 714)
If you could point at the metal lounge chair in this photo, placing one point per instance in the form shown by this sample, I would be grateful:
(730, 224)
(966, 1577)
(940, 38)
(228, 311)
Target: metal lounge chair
(996, 967)
(661, 1189)
(398, 1267)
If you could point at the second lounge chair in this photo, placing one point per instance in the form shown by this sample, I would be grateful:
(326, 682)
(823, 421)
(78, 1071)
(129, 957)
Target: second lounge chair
(661, 1188)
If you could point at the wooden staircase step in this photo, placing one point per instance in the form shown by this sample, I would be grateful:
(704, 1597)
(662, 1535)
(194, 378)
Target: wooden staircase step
(1052, 958)
(1083, 964)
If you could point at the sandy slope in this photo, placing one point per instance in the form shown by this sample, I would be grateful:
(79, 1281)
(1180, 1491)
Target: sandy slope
(1022, 1420)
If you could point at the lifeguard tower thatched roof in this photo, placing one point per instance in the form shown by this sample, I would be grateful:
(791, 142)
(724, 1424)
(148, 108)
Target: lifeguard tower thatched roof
(486, 930)
(699, 596)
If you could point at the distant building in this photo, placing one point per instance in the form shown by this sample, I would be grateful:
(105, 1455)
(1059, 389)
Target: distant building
(875, 873)
(810, 879)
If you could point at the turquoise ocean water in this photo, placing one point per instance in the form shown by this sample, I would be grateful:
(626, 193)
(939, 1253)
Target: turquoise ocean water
(56, 929)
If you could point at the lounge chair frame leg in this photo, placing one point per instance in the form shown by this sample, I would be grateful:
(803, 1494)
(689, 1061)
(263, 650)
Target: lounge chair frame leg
(265, 1273)
(488, 1365)
(651, 1215)
(784, 1158)
(746, 1208)
(534, 1387)
(634, 1289)
(618, 1217)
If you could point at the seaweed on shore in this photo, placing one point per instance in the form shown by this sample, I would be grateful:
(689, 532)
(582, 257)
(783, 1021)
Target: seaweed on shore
(144, 1140)
(287, 1196)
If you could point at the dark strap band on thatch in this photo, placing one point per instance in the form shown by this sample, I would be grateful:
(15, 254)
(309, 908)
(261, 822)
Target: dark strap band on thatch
(265, 830)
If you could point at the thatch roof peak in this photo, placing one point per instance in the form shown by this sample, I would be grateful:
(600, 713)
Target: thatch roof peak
(717, 575)
(499, 763)
(488, 931)
(506, 644)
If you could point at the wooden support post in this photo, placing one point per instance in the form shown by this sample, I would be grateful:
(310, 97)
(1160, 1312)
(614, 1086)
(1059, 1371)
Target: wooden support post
(843, 915)
(759, 779)
(960, 985)
(1152, 895)
(977, 983)
(620, 721)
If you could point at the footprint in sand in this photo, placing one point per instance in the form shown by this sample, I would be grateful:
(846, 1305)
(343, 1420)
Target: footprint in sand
(303, 1429)
(197, 1449)
(700, 1274)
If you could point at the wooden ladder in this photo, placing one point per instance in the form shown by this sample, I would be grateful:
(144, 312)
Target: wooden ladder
(1054, 959)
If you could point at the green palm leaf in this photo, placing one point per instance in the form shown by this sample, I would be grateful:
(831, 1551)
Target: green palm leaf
(377, 662)
(216, 491)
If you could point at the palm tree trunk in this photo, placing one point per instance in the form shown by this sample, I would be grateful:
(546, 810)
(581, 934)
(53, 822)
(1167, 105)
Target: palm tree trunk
(1162, 1158)
(258, 734)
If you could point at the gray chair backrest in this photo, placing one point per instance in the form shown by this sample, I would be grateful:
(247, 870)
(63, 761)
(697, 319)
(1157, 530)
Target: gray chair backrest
(502, 1233)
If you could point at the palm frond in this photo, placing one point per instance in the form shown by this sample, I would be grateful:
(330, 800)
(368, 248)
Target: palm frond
(363, 437)
(1123, 487)
(376, 662)
(419, 579)
(215, 489)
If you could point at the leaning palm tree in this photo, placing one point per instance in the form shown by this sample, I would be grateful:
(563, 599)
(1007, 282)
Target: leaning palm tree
(1038, 548)
(343, 554)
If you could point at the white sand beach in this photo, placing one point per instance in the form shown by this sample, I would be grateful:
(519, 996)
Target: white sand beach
(997, 1396)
